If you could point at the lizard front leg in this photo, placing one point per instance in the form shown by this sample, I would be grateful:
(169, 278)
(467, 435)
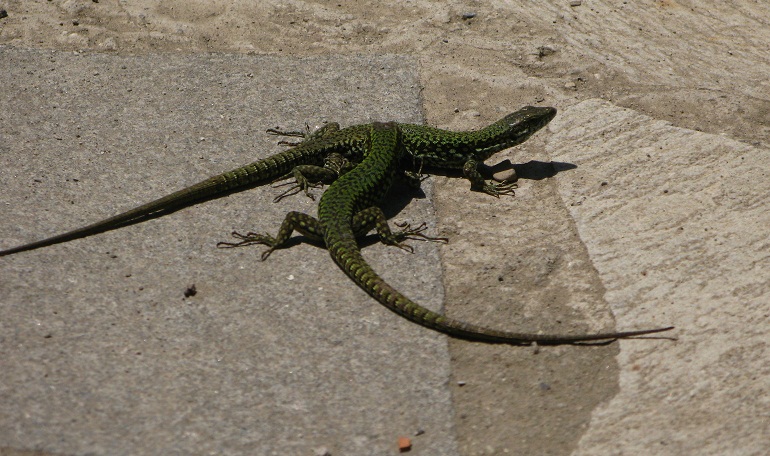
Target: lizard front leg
(471, 172)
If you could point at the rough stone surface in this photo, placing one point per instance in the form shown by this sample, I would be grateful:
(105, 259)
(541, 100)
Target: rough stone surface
(525, 263)
(101, 351)
(694, 241)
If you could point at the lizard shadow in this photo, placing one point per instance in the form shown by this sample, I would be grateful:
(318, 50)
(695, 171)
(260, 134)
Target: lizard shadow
(398, 197)
(531, 170)
(538, 170)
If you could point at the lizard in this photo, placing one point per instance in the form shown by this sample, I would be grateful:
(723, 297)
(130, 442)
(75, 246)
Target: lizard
(321, 157)
(349, 209)
(338, 150)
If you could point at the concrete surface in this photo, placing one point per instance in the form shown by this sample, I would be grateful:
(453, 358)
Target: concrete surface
(101, 352)
(657, 223)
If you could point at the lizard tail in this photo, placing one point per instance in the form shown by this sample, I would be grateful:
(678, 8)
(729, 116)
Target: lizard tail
(260, 171)
(348, 257)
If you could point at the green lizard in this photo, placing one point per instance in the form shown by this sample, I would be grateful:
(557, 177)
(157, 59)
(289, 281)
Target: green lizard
(320, 158)
(348, 209)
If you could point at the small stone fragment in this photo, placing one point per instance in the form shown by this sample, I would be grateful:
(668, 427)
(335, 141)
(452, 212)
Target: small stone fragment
(543, 51)
(190, 291)
(508, 175)
(404, 444)
(503, 172)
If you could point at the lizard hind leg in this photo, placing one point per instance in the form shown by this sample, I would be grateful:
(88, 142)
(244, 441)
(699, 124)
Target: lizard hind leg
(294, 221)
(373, 217)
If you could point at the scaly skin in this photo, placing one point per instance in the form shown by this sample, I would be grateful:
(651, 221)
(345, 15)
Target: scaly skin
(466, 150)
(348, 209)
(338, 151)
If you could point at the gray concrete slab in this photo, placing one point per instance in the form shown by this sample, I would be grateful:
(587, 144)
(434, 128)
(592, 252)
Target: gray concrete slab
(101, 351)
(677, 237)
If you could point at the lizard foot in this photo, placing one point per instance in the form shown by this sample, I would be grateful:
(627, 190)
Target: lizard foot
(251, 238)
(407, 232)
(327, 129)
(502, 188)
(296, 134)
(313, 176)
(299, 185)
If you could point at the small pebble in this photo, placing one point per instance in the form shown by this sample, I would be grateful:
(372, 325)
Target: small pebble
(3, 13)
(508, 175)
(575, 2)
(468, 15)
(190, 291)
(543, 51)
(503, 172)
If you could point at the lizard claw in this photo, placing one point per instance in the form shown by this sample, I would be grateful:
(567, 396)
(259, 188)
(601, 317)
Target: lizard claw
(267, 253)
(405, 247)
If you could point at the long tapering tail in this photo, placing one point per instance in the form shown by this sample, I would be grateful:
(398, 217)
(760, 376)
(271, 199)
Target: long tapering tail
(260, 171)
(348, 256)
